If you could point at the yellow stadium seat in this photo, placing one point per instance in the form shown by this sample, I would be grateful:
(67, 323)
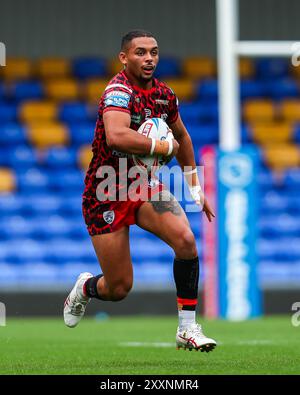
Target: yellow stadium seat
(272, 132)
(290, 110)
(246, 68)
(259, 110)
(53, 68)
(62, 89)
(295, 71)
(7, 180)
(33, 110)
(85, 156)
(183, 88)
(115, 66)
(199, 67)
(94, 89)
(281, 157)
(16, 69)
(47, 134)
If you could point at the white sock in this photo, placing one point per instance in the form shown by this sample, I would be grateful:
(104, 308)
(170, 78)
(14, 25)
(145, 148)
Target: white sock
(186, 318)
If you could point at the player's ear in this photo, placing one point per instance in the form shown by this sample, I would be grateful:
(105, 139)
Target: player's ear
(123, 58)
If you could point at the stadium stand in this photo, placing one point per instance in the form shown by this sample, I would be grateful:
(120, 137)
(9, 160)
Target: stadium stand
(48, 110)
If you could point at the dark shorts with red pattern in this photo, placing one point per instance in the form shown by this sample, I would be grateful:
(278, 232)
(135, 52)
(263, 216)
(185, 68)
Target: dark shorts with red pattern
(109, 216)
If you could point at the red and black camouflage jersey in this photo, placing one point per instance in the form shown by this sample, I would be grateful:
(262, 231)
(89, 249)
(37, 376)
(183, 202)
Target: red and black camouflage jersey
(120, 95)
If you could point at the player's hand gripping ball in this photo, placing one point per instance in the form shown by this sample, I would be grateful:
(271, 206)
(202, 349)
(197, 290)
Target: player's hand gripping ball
(158, 129)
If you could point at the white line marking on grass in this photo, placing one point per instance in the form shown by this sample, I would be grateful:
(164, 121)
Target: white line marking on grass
(144, 344)
(165, 344)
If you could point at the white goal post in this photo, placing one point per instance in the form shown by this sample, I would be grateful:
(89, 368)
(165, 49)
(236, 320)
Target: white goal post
(229, 48)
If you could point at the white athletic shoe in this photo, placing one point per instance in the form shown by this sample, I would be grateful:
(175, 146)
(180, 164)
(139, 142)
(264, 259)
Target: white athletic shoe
(76, 302)
(193, 338)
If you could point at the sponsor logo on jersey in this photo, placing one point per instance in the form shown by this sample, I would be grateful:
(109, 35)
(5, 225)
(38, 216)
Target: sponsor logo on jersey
(118, 99)
(109, 216)
(118, 94)
(136, 118)
(160, 101)
(148, 113)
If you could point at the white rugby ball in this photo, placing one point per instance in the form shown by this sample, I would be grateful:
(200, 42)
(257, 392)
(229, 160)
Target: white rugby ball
(152, 128)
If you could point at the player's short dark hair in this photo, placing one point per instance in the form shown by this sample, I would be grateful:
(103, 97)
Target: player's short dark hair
(126, 40)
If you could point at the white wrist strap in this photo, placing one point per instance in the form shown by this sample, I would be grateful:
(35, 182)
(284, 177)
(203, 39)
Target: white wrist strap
(188, 173)
(170, 147)
(195, 192)
(152, 145)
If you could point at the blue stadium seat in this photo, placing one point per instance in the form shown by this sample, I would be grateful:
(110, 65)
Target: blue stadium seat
(265, 178)
(147, 249)
(73, 112)
(10, 203)
(15, 226)
(89, 67)
(269, 68)
(71, 205)
(72, 180)
(279, 225)
(12, 134)
(82, 133)
(252, 89)
(280, 248)
(22, 157)
(32, 180)
(168, 67)
(273, 201)
(8, 112)
(63, 249)
(282, 88)
(60, 158)
(203, 133)
(53, 226)
(199, 111)
(27, 250)
(41, 204)
(207, 89)
(25, 90)
(292, 178)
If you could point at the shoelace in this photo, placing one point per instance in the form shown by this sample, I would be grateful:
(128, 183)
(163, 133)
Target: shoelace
(197, 331)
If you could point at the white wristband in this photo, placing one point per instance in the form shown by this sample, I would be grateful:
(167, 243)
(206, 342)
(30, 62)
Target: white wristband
(170, 141)
(196, 192)
(188, 173)
(152, 145)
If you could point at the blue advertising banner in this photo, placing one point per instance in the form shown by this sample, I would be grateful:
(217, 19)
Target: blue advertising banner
(239, 295)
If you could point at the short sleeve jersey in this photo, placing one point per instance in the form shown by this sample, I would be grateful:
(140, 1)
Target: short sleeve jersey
(120, 95)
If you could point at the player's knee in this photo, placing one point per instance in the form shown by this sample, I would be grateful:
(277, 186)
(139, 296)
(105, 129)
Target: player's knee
(186, 244)
(120, 291)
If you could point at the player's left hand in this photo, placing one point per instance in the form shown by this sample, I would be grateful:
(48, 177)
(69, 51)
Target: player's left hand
(208, 211)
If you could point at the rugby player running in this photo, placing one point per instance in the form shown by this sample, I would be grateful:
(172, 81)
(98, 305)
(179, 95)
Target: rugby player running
(131, 97)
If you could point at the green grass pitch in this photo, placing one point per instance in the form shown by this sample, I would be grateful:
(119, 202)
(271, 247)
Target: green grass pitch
(145, 345)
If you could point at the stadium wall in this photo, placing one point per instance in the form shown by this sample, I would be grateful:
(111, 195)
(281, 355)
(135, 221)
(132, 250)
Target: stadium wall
(69, 28)
(137, 303)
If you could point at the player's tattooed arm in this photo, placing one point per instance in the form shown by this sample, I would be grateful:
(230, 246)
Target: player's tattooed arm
(166, 203)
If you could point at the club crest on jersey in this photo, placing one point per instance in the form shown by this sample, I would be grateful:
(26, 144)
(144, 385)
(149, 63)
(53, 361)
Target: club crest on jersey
(109, 216)
(153, 182)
